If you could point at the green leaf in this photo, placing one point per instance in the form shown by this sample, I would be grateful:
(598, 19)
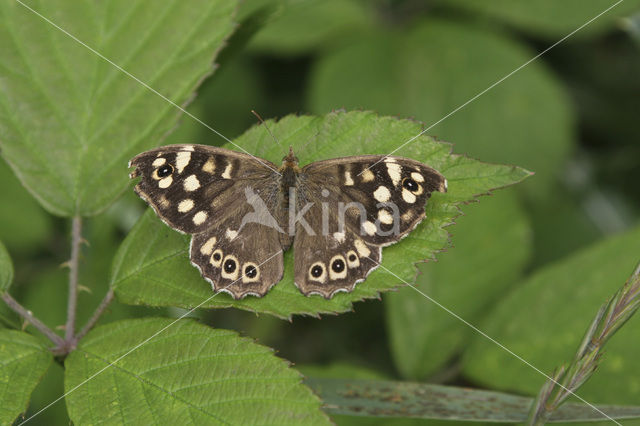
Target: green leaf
(225, 102)
(550, 18)
(6, 269)
(69, 120)
(187, 374)
(152, 265)
(300, 27)
(491, 243)
(382, 398)
(23, 362)
(339, 370)
(24, 225)
(544, 321)
(431, 70)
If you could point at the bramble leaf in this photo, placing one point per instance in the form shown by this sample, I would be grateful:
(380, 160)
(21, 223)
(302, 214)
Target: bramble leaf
(152, 265)
(550, 18)
(6, 269)
(70, 120)
(491, 243)
(23, 362)
(152, 370)
(544, 320)
(436, 67)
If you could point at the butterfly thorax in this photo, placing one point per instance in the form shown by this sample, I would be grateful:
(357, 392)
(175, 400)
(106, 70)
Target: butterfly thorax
(289, 172)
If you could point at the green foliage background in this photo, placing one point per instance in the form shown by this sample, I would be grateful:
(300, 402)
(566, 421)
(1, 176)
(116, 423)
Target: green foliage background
(529, 265)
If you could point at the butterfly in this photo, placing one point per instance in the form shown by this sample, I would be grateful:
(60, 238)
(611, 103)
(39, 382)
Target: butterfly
(243, 212)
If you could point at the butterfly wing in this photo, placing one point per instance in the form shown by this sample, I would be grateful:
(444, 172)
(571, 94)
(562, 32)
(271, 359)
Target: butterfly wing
(368, 202)
(212, 193)
(327, 263)
(189, 186)
(248, 262)
(380, 198)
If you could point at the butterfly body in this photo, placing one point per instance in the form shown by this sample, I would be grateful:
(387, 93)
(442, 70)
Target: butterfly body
(244, 212)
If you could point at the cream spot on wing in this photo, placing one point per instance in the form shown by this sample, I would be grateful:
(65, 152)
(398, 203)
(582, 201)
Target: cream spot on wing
(182, 160)
(191, 183)
(348, 180)
(385, 217)
(337, 275)
(417, 177)
(231, 234)
(339, 236)
(187, 148)
(207, 247)
(216, 258)
(407, 216)
(233, 274)
(408, 196)
(367, 175)
(209, 166)
(165, 182)
(445, 186)
(200, 217)
(227, 171)
(159, 162)
(369, 227)
(362, 248)
(185, 205)
(382, 194)
(395, 172)
(389, 160)
(352, 259)
(163, 202)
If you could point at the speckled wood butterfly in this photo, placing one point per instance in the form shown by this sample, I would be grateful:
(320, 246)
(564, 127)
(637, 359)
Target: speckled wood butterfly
(244, 212)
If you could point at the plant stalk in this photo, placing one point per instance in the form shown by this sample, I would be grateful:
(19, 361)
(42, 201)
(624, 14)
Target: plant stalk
(27, 315)
(610, 317)
(76, 240)
(96, 315)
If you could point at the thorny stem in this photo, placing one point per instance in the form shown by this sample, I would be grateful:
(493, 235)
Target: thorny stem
(66, 345)
(610, 317)
(76, 240)
(96, 315)
(27, 315)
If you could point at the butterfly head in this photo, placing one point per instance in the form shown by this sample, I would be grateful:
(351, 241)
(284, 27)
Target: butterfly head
(290, 160)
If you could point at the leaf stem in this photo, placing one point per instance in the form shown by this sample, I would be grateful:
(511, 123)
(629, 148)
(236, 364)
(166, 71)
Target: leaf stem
(76, 240)
(96, 315)
(27, 315)
(568, 378)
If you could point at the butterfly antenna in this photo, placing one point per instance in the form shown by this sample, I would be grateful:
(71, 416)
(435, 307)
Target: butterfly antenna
(265, 125)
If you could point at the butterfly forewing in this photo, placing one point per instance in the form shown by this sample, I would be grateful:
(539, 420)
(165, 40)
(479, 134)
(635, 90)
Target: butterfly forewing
(380, 198)
(190, 186)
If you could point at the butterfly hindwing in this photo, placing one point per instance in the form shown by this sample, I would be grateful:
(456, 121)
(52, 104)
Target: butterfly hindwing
(329, 262)
(238, 263)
